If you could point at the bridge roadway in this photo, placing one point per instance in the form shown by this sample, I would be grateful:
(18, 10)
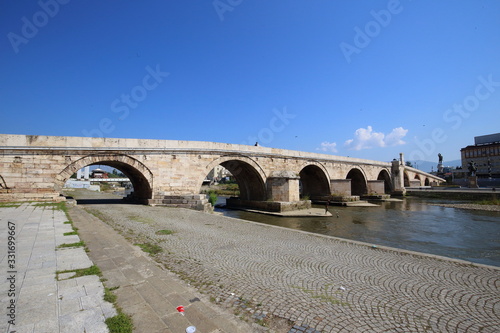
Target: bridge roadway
(316, 282)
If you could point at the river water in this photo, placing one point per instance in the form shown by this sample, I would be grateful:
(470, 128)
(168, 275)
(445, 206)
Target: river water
(414, 224)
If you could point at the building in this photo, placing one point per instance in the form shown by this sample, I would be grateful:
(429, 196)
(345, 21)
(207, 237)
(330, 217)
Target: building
(219, 173)
(99, 173)
(486, 155)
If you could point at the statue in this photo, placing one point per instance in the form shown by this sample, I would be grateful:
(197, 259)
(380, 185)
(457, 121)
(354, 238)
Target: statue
(472, 168)
(440, 164)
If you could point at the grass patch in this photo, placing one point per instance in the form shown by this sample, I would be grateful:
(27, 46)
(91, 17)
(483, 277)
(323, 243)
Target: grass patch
(139, 219)
(212, 197)
(47, 204)
(71, 233)
(10, 204)
(223, 190)
(77, 244)
(164, 232)
(55, 206)
(152, 249)
(121, 323)
(92, 270)
(494, 202)
(109, 296)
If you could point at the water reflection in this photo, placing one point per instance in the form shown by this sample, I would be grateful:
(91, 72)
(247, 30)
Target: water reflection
(413, 224)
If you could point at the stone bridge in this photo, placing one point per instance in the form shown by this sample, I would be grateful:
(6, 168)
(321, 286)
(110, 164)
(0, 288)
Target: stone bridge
(167, 172)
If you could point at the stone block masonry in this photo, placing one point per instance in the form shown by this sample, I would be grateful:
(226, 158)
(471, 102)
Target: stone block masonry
(36, 168)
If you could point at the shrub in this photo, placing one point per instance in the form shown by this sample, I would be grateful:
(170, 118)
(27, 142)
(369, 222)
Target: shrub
(212, 198)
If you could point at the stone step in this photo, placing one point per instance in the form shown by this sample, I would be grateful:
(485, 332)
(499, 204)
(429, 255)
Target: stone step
(194, 201)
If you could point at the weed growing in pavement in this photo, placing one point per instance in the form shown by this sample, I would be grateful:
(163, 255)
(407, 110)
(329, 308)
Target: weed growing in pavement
(121, 323)
(152, 249)
(71, 233)
(92, 270)
(140, 219)
(109, 296)
(55, 206)
(97, 214)
(77, 244)
(164, 232)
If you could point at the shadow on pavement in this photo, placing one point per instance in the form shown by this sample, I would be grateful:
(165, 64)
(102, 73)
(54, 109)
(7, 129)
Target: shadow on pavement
(103, 202)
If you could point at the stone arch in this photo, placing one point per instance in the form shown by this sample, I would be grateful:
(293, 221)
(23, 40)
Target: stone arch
(140, 176)
(426, 182)
(417, 177)
(386, 177)
(358, 181)
(315, 181)
(406, 179)
(249, 175)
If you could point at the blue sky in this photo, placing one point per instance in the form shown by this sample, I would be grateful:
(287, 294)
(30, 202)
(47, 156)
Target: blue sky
(364, 79)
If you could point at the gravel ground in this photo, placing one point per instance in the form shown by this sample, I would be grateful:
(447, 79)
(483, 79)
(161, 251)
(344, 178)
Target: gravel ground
(315, 282)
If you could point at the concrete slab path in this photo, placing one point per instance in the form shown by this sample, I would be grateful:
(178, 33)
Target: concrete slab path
(34, 300)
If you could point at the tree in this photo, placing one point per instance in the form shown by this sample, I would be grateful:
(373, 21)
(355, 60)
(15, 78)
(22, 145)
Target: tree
(409, 164)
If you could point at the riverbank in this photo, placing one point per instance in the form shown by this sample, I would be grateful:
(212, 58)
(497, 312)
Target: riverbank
(315, 282)
(452, 193)
(472, 206)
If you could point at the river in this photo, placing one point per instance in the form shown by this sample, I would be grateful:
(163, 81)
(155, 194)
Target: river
(414, 224)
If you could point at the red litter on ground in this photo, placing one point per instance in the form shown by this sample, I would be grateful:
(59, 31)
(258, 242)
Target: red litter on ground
(180, 308)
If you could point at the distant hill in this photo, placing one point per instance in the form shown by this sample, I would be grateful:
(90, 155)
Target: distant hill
(427, 166)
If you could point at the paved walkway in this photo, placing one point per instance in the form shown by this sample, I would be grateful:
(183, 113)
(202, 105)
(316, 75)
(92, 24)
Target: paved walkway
(316, 282)
(71, 305)
(35, 301)
(148, 293)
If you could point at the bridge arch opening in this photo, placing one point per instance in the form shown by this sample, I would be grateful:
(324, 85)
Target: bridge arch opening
(250, 183)
(417, 177)
(244, 172)
(138, 174)
(406, 180)
(426, 182)
(314, 183)
(358, 182)
(386, 177)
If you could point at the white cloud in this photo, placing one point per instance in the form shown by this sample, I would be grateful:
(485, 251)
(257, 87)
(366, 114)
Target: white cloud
(394, 138)
(328, 146)
(366, 138)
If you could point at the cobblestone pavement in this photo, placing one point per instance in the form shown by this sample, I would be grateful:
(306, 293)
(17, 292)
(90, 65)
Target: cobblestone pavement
(318, 283)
